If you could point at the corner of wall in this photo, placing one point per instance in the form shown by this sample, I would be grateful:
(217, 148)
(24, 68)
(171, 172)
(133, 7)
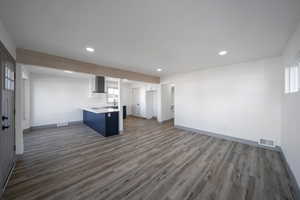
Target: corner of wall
(18, 117)
(290, 137)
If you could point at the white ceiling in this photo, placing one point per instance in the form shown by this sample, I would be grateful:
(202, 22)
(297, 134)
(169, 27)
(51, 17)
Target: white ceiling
(142, 35)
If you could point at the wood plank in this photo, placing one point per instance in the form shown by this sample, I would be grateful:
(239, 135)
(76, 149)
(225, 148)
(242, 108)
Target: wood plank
(30, 57)
(149, 161)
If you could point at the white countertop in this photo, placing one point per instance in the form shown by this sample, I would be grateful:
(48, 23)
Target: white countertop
(99, 110)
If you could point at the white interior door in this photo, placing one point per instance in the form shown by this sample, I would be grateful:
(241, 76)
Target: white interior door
(136, 103)
(149, 104)
(154, 104)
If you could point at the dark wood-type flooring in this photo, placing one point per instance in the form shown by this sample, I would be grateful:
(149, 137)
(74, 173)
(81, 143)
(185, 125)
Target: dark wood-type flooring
(149, 161)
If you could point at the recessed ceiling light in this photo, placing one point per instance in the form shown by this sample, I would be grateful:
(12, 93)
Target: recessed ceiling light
(67, 71)
(159, 70)
(222, 53)
(90, 49)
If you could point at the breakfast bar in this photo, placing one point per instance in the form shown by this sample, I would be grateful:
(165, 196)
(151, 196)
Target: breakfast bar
(103, 120)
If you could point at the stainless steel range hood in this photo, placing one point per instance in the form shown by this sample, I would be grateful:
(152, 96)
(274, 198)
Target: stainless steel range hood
(99, 86)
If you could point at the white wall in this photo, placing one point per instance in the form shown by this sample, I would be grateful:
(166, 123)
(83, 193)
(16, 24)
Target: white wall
(142, 98)
(56, 99)
(242, 100)
(120, 104)
(25, 98)
(142, 101)
(167, 101)
(159, 103)
(155, 104)
(22, 106)
(18, 117)
(127, 97)
(128, 101)
(291, 112)
(151, 104)
(7, 40)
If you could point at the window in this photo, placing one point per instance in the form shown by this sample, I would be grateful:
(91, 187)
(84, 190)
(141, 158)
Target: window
(112, 95)
(9, 79)
(292, 79)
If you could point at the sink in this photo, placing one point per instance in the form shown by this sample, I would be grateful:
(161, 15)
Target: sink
(105, 107)
(95, 108)
(113, 107)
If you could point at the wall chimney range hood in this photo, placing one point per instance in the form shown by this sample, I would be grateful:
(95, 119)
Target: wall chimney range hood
(99, 84)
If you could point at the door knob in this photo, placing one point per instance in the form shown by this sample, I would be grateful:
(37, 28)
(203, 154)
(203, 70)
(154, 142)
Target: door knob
(4, 118)
(5, 127)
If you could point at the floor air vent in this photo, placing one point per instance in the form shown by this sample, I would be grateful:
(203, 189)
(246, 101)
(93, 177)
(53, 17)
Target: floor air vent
(268, 143)
(61, 124)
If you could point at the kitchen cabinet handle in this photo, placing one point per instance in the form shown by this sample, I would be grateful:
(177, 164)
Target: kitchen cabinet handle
(5, 127)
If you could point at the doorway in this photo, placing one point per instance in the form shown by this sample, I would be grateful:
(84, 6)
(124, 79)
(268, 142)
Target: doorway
(151, 104)
(7, 109)
(167, 102)
(136, 102)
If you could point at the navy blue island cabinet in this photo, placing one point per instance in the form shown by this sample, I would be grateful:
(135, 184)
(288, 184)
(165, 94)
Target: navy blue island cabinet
(107, 124)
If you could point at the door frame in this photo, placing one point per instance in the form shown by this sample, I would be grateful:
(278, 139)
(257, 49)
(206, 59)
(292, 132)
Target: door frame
(135, 112)
(2, 47)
